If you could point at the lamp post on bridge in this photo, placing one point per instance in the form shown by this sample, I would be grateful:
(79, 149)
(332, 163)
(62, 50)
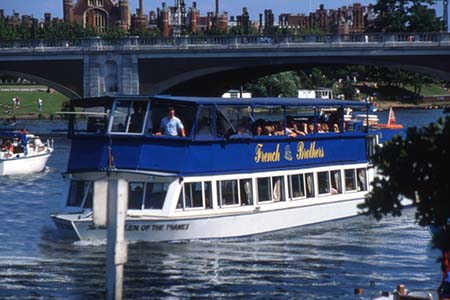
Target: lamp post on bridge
(445, 12)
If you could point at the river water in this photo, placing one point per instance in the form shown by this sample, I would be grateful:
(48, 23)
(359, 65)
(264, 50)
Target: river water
(323, 261)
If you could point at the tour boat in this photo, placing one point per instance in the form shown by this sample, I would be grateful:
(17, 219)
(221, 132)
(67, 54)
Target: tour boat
(244, 167)
(22, 153)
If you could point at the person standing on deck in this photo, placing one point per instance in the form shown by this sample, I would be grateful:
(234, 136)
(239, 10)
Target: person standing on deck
(171, 125)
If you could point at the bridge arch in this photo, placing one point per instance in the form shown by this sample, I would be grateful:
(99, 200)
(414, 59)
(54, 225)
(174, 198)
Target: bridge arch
(225, 76)
(56, 86)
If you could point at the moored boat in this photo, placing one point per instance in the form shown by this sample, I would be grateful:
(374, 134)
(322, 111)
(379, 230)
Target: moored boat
(238, 167)
(22, 152)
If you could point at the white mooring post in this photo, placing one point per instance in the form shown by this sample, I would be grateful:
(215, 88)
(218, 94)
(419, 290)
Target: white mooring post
(110, 208)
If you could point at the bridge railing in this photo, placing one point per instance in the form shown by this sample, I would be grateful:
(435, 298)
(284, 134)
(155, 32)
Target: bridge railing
(342, 40)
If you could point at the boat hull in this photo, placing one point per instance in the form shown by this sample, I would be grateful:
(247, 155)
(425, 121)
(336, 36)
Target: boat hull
(148, 229)
(24, 165)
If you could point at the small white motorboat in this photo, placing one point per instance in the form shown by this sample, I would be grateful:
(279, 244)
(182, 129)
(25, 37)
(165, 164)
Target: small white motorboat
(22, 152)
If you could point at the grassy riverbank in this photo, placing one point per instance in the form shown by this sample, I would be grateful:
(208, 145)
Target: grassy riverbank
(28, 108)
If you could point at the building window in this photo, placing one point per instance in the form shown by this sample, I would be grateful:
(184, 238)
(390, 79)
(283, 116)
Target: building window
(99, 2)
(91, 2)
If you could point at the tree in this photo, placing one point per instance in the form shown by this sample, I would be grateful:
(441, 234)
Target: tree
(415, 167)
(405, 16)
(283, 84)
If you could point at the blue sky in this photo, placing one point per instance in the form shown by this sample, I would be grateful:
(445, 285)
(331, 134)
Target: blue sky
(37, 8)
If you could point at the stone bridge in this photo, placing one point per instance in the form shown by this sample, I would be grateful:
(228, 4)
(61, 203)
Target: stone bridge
(209, 65)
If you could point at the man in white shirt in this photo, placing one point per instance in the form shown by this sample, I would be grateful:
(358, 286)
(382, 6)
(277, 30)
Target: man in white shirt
(171, 125)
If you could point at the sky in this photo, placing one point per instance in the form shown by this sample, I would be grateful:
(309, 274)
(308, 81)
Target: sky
(37, 8)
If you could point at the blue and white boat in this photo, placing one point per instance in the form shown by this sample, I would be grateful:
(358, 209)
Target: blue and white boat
(22, 152)
(246, 166)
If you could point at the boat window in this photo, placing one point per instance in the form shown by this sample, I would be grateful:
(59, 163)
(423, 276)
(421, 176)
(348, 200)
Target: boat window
(323, 180)
(362, 179)
(135, 195)
(300, 120)
(88, 119)
(129, 117)
(264, 189)
(278, 188)
(309, 179)
(186, 114)
(336, 187)
(228, 192)
(155, 194)
(296, 186)
(89, 197)
(193, 197)
(208, 194)
(193, 193)
(246, 191)
(350, 180)
(79, 191)
(205, 124)
(270, 119)
(234, 122)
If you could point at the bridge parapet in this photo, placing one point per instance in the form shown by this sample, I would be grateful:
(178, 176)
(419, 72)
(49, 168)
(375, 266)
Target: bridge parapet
(439, 39)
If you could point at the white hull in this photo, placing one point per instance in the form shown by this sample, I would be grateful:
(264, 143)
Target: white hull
(219, 226)
(24, 165)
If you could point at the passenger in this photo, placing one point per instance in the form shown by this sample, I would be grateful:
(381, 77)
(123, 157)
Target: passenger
(137, 120)
(240, 134)
(336, 128)
(310, 129)
(9, 147)
(269, 130)
(171, 125)
(259, 131)
(325, 127)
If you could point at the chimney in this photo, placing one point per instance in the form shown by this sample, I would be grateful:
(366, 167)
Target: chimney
(141, 8)
(165, 20)
(67, 10)
(124, 14)
(217, 8)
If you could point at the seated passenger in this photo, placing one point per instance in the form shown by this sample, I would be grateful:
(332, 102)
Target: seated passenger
(259, 131)
(310, 129)
(171, 125)
(241, 133)
(336, 128)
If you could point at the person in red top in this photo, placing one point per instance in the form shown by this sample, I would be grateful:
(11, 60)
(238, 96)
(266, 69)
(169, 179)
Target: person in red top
(444, 287)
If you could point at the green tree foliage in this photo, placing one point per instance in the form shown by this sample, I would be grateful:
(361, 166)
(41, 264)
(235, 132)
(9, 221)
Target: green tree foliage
(405, 16)
(279, 85)
(415, 167)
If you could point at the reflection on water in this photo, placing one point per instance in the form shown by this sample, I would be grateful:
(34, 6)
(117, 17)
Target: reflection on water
(320, 261)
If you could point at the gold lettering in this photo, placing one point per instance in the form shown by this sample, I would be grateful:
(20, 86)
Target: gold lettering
(309, 153)
(261, 156)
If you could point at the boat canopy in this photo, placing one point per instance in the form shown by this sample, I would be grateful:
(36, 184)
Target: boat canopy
(206, 118)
